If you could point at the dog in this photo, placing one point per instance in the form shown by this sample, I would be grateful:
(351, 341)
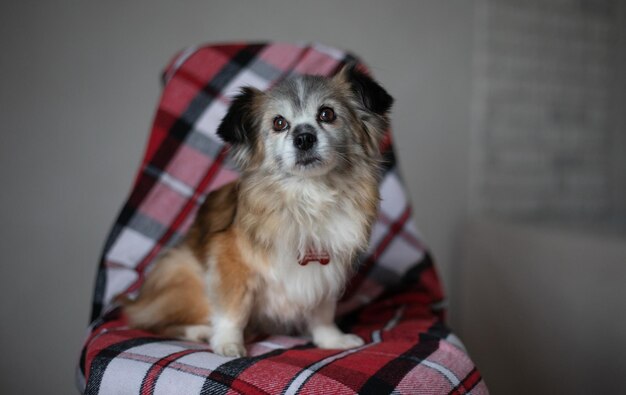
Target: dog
(271, 252)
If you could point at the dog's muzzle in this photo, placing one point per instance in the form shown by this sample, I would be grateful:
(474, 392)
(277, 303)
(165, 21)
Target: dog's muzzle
(304, 137)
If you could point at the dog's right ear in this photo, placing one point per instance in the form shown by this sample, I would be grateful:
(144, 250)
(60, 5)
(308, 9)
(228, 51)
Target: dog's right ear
(237, 126)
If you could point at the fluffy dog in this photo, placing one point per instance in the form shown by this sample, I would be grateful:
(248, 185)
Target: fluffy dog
(272, 251)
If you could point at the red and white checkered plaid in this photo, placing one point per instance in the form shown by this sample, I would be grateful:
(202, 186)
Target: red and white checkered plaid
(394, 302)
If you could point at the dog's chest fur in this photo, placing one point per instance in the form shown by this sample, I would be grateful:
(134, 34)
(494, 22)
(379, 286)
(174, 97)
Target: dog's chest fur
(305, 216)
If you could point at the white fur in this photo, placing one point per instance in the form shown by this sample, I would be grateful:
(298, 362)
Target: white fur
(227, 338)
(324, 331)
(198, 333)
(311, 221)
(281, 144)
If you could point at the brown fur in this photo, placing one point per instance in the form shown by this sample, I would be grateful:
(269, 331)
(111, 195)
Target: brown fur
(236, 277)
(229, 248)
(215, 215)
(173, 294)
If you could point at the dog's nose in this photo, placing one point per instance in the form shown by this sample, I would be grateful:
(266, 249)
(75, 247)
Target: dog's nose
(304, 137)
(305, 141)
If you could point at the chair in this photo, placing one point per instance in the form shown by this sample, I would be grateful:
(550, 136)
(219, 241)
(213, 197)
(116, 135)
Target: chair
(395, 302)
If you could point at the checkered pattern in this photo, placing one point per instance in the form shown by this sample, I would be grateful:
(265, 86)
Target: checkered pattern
(394, 302)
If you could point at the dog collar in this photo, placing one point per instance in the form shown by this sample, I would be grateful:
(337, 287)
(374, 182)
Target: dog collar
(323, 258)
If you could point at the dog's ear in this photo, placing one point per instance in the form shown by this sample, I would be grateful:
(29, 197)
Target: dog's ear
(373, 96)
(237, 126)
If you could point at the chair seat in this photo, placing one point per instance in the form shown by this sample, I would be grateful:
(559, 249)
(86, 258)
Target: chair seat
(395, 301)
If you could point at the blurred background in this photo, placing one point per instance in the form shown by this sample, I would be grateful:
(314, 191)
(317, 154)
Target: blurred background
(510, 124)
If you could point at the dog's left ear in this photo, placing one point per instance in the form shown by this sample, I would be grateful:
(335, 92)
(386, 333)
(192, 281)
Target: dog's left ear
(373, 96)
(237, 126)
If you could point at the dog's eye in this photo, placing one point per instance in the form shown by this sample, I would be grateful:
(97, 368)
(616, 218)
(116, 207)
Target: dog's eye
(280, 124)
(326, 114)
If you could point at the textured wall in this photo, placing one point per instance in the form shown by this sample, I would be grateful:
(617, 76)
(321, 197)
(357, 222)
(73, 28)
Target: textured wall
(545, 110)
(619, 131)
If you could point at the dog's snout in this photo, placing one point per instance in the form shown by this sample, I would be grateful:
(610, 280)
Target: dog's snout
(304, 137)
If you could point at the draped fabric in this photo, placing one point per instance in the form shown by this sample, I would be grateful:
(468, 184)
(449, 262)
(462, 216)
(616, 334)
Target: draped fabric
(395, 302)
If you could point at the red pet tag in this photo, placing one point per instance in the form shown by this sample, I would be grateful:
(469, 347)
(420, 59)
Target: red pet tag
(323, 258)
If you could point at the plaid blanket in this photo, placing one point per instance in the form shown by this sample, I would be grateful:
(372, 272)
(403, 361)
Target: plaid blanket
(395, 302)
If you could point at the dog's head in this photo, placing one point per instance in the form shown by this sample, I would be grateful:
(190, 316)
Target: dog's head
(309, 125)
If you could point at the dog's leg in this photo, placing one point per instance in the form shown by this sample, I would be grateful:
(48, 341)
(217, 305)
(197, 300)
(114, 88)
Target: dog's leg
(227, 338)
(324, 331)
(232, 296)
(172, 301)
(228, 323)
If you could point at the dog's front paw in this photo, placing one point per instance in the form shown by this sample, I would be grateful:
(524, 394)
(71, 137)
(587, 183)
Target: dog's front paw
(228, 341)
(342, 341)
(235, 350)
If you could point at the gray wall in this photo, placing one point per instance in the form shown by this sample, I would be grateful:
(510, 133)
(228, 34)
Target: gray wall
(543, 309)
(79, 83)
(540, 307)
